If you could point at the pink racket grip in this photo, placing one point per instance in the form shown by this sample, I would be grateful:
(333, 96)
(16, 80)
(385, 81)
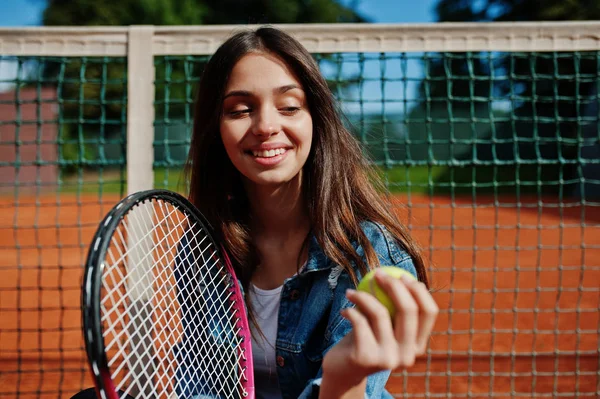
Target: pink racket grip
(244, 327)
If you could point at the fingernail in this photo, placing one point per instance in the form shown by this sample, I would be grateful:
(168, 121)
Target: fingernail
(350, 292)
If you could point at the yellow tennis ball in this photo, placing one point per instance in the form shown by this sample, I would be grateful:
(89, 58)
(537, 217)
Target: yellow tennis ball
(368, 284)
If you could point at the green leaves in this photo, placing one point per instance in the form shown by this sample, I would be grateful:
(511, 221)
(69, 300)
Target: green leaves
(195, 12)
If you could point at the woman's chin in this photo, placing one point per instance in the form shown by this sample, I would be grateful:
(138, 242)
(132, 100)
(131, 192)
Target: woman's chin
(271, 179)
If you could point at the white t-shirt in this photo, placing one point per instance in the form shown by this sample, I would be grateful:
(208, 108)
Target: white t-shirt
(265, 304)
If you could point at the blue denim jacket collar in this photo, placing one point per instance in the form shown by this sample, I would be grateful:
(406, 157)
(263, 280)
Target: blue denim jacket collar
(316, 257)
(309, 315)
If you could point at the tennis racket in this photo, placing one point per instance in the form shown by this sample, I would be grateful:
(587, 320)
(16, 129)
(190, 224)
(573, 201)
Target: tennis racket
(163, 313)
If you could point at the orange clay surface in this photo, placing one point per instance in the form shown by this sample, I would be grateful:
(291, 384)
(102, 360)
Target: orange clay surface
(516, 282)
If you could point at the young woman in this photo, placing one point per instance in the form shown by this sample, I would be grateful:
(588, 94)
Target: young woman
(286, 186)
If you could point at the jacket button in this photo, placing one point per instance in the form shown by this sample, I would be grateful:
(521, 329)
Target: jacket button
(295, 294)
(280, 361)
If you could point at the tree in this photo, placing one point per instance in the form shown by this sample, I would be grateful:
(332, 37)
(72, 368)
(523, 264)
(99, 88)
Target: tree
(548, 91)
(94, 106)
(195, 12)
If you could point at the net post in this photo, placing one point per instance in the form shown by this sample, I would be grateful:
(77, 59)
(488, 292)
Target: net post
(140, 176)
(140, 109)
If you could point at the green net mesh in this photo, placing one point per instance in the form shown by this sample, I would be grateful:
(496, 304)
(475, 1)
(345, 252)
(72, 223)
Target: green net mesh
(492, 159)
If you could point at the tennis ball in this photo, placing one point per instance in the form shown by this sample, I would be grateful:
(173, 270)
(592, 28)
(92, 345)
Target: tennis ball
(368, 284)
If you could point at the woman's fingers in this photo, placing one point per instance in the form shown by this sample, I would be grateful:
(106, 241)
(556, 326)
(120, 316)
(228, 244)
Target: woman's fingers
(418, 309)
(360, 325)
(374, 312)
(377, 342)
(428, 311)
(406, 318)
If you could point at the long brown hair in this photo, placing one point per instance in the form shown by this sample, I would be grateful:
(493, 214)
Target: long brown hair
(339, 187)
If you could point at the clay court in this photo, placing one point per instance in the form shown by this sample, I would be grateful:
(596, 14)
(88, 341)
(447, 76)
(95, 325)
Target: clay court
(517, 282)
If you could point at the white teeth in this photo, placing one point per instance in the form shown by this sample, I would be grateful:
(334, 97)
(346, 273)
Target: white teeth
(268, 153)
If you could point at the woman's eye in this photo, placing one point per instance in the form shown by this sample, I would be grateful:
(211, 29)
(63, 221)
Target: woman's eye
(239, 112)
(290, 110)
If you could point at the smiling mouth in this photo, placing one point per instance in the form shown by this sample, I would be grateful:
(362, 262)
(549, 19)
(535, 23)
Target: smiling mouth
(268, 153)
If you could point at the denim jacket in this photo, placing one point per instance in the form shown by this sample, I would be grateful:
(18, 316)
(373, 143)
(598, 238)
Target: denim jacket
(310, 322)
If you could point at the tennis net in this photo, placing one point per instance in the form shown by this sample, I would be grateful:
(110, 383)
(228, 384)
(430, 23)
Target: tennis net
(487, 136)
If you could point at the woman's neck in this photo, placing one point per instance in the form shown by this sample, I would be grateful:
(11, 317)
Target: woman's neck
(278, 211)
(280, 225)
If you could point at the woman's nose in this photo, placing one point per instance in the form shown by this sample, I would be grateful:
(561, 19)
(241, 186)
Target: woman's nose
(266, 124)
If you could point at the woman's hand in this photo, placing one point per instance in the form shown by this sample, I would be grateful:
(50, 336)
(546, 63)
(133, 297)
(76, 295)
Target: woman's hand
(377, 341)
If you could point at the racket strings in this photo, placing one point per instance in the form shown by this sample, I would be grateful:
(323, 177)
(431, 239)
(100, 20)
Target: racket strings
(219, 315)
(159, 304)
(170, 326)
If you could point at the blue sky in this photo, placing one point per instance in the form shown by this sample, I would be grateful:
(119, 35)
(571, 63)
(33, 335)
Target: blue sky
(21, 12)
(397, 11)
(28, 12)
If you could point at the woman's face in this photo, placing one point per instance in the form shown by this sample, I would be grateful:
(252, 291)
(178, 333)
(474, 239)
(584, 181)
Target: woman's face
(266, 126)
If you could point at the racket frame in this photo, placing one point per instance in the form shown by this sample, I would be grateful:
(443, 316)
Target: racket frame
(92, 288)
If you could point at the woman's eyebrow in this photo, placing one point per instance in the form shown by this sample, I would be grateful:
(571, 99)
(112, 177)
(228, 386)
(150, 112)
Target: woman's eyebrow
(238, 93)
(287, 88)
(246, 93)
